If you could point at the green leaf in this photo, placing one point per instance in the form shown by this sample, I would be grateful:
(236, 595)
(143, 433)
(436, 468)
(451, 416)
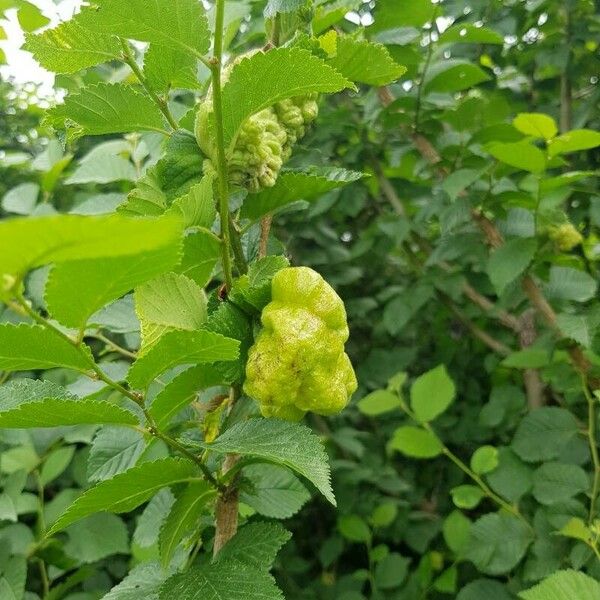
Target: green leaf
(26, 243)
(197, 207)
(544, 433)
(170, 68)
(391, 571)
(521, 155)
(30, 17)
(178, 24)
(22, 199)
(126, 491)
(114, 450)
(283, 73)
(576, 327)
(365, 62)
(106, 108)
(179, 348)
(142, 582)
(509, 261)
(76, 290)
(55, 463)
(512, 479)
(390, 13)
(498, 542)
(564, 585)
(466, 496)
(273, 491)
(354, 528)
(181, 391)
(415, 442)
(255, 545)
(70, 47)
(456, 531)
(149, 523)
(574, 141)
(201, 251)
(102, 167)
(223, 580)
(484, 588)
(289, 444)
(484, 460)
(378, 403)
(167, 303)
(274, 7)
(537, 125)
(567, 283)
(529, 358)
(97, 537)
(556, 482)
(292, 186)
(465, 33)
(454, 75)
(25, 347)
(576, 529)
(431, 394)
(184, 516)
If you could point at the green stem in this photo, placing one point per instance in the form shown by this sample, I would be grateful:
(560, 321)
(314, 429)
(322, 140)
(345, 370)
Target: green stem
(222, 183)
(160, 102)
(41, 533)
(238, 251)
(591, 435)
(425, 70)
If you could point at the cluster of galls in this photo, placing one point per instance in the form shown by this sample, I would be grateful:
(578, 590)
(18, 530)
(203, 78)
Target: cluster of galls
(264, 141)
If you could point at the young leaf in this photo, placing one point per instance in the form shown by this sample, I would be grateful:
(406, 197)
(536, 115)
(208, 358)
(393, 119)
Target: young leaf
(283, 73)
(431, 394)
(509, 261)
(178, 24)
(201, 251)
(537, 125)
(292, 186)
(197, 207)
(183, 516)
(289, 444)
(106, 108)
(484, 460)
(564, 585)
(465, 33)
(126, 491)
(76, 290)
(574, 141)
(255, 545)
(454, 75)
(178, 348)
(35, 241)
(181, 391)
(223, 580)
(170, 68)
(25, 347)
(415, 442)
(70, 47)
(521, 155)
(167, 303)
(378, 403)
(365, 62)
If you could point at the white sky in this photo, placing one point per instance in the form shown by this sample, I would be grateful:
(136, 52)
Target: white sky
(20, 64)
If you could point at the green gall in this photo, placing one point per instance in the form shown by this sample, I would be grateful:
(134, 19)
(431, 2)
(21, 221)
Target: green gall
(565, 236)
(297, 363)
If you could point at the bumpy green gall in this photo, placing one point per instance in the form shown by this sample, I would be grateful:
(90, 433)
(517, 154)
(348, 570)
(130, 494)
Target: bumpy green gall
(297, 363)
(565, 236)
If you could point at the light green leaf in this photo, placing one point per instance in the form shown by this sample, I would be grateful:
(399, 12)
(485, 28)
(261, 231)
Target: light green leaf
(555, 482)
(184, 515)
(114, 450)
(170, 68)
(466, 33)
(292, 186)
(22, 199)
(223, 580)
(466, 496)
(390, 13)
(484, 460)
(102, 167)
(354, 528)
(378, 403)
(574, 141)
(289, 444)
(365, 62)
(201, 251)
(544, 433)
(529, 358)
(460, 180)
(26, 243)
(521, 155)
(509, 261)
(576, 327)
(25, 347)
(273, 491)
(274, 7)
(576, 528)
(431, 394)
(456, 531)
(415, 442)
(567, 283)
(97, 537)
(454, 75)
(167, 303)
(178, 348)
(106, 108)
(564, 585)
(30, 17)
(55, 463)
(197, 207)
(70, 47)
(329, 13)
(76, 290)
(537, 125)
(181, 391)
(178, 24)
(142, 583)
(498, 542)
(255, 545)
(126, 491)
(283, 73)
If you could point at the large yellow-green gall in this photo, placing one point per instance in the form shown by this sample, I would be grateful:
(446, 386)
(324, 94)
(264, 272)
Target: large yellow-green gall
(297, 363)
(565, 236)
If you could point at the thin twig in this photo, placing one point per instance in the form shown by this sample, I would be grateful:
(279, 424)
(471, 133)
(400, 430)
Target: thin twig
(265, 228)
(591, 435)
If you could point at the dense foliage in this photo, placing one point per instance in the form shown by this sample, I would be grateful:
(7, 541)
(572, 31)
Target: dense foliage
(436, 164)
